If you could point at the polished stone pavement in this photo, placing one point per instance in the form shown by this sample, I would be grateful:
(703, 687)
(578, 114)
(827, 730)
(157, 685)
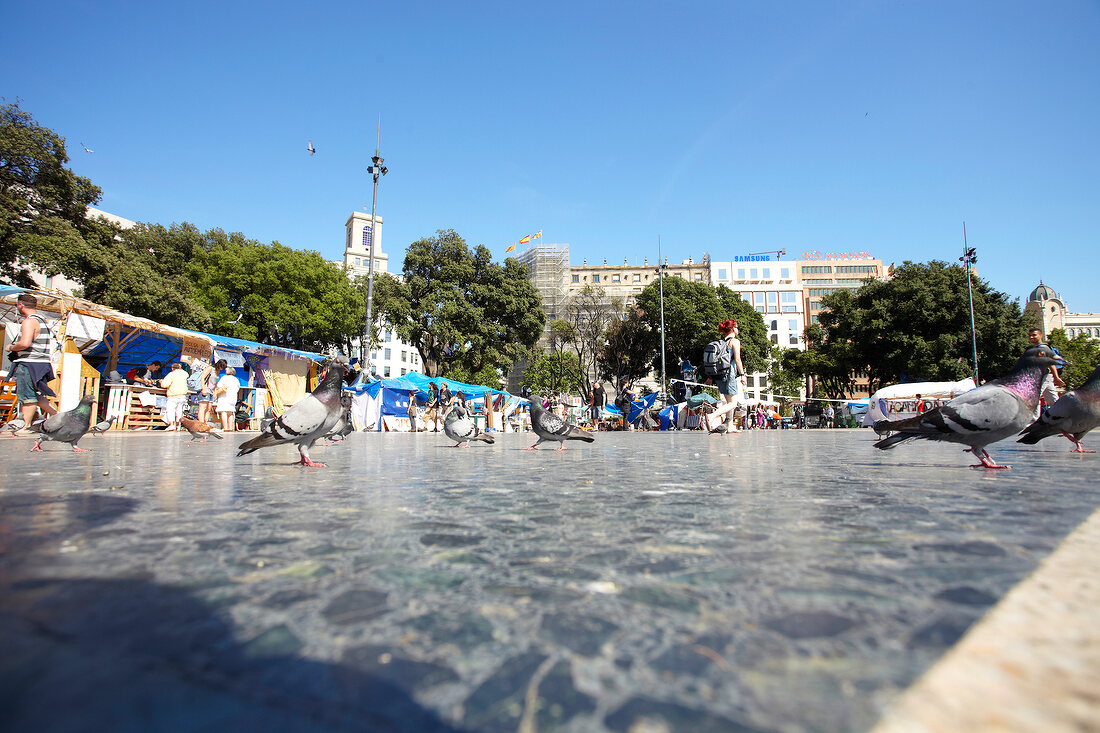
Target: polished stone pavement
(794, 580)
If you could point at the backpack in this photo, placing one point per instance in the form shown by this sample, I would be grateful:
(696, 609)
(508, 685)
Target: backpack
(717, 361)
(194, 380)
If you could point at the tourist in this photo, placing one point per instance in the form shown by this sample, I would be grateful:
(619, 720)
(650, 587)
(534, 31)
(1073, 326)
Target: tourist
(411, 412)
(1047, 394)
(225, 396)
(30, 358)
(175, 388)
(208, 382)
(596, 402)
(733, 383)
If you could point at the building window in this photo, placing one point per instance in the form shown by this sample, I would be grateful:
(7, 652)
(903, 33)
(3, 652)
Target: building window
(404, 357)
(792, 324)
(386, 354)
(595, 278)
(388, 337)
(754, 274)
(767, 273)
(374, 356)
(775, 338)
(576, 278)
(403, 372)
(763, 382)
(386, 371)
(357, 261)
(366, 237)
(637, 278)
(794, 339)
(784, 273)
(750, 381)
(775, 325)
(740, 273)
(699, 276)
(614, 278)
(721, 273)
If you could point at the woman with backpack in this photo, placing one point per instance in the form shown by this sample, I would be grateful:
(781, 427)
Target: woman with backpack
(729, 384)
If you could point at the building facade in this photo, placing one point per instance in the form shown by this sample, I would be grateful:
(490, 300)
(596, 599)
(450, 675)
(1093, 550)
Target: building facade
(1053, 313)
(359, 232)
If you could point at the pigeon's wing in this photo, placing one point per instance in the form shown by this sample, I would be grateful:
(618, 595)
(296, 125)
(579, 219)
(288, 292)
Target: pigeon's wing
(552, 424)
(977, 414)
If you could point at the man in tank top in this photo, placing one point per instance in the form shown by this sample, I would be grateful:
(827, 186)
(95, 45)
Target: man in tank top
(30, 358)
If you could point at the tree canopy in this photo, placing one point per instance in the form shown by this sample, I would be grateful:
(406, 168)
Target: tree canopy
(42, 203)
(1082, 354)
(465, 314)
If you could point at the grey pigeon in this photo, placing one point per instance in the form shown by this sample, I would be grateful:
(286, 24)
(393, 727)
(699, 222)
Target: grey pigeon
(306, 420)
(344, 426)
(66, 427)
(14, 425)
(551, 427)
(1073, 415)
(310, 148)
(102, 426)
(994, 411)
(460, 428)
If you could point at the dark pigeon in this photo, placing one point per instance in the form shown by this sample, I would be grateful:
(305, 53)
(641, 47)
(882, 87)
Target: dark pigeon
(66, 427)
(1073, 415)
(551, 427)
(306, 420)
(994, 411)
(344, 426)
(460, 428)
(199, 429)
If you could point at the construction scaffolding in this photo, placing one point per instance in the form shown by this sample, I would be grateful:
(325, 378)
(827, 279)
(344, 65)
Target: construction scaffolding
(548, 268)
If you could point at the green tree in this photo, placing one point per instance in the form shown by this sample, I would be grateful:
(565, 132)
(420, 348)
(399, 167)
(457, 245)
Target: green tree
(783, 380)
(627, 350)
(557, 372)
(916, 326)
(42, 203)
(463, 312)
(274, 294)
(1082, 355)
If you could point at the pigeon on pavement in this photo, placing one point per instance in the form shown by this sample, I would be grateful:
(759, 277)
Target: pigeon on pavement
(66, 427)
(1073, 415)
(199, 429)
(102, 426)
(306, 420)
(14, 425)
(994, 411)
(344, 426)
(460, 428)
(551, 427)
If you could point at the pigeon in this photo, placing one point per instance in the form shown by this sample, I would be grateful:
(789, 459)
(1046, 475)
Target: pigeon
(306, 420)
(14, 425)
(310, 148)
(460, 428)
(66, 427)
(102, 426)
(551, 427)
(86, 148)
(198, 428)
(1074, 414)
(344, 426)
(994, 411)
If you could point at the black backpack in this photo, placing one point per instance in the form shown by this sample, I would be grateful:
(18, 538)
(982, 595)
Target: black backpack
(717, 360)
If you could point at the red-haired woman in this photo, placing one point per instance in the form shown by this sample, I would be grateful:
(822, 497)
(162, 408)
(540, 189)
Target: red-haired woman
(729, 386)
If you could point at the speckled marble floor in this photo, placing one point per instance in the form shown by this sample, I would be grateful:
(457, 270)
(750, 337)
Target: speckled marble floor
(795, 580)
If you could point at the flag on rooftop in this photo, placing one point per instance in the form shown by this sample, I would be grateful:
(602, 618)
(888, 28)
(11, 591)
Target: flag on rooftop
(525, 240)
(510, 248)
(537, 235)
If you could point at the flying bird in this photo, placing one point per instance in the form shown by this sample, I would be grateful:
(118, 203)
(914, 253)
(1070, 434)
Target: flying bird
(86, 148)
(66, 427)
(551, 427)
(306, 420)
(460, 428)
(239, 317)
(994, 411)
(199, 428)
(310, 148)
(1073, 415)
(102, 426)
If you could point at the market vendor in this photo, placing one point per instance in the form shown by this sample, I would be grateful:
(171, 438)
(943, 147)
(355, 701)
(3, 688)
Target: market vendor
(148, 375)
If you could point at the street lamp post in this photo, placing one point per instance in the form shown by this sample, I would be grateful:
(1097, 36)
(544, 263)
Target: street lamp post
(661, 287)
(376, 170)
(968, 259)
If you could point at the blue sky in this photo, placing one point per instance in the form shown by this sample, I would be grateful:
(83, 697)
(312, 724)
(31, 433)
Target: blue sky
(724, 127)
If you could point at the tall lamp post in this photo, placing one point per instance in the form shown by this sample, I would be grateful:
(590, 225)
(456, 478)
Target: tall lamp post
(376, 169)
(968, 259)
(661, 267)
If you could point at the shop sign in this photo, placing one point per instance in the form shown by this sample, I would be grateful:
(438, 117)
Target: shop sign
(813, 254)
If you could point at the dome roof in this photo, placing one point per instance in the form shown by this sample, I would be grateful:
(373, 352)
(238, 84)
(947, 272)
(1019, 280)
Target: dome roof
(1043, 292)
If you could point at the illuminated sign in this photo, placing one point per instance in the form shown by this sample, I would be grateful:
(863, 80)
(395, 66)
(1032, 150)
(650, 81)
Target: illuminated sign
(813, 254)
(752, 258)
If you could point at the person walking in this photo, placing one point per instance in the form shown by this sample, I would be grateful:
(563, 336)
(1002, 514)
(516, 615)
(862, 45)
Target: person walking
(225, 394)
(208, 382)
(175, 388)
(1048, 395)
(30, 359)
(625, 401)
(411, 412)
(731, 385)
(596, 403)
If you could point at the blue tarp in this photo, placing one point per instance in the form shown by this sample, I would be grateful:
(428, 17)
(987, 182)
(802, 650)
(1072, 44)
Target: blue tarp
(252, 347)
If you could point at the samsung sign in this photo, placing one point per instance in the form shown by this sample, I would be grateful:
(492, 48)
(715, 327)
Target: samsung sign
(752, 258)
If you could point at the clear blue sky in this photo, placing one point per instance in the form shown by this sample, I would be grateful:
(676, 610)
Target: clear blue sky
(724, 127)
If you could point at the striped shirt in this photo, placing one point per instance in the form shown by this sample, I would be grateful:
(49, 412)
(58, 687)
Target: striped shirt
(39, 350)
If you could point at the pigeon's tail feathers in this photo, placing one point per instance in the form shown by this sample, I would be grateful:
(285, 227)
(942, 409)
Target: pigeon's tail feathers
(260, 441)
(216, 434)
(883, 426)
(580, 434)
(897, 438)
(485, 437)
(1036, 431)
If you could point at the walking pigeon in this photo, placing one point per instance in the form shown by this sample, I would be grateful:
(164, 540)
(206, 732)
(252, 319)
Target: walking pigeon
(994, 411)
(66, 427)
(14, 425)
(102, 426)
(551, 427)
(199, 428)
(1074, 414)
(460, 428)
(344, 426)
(306, 420)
